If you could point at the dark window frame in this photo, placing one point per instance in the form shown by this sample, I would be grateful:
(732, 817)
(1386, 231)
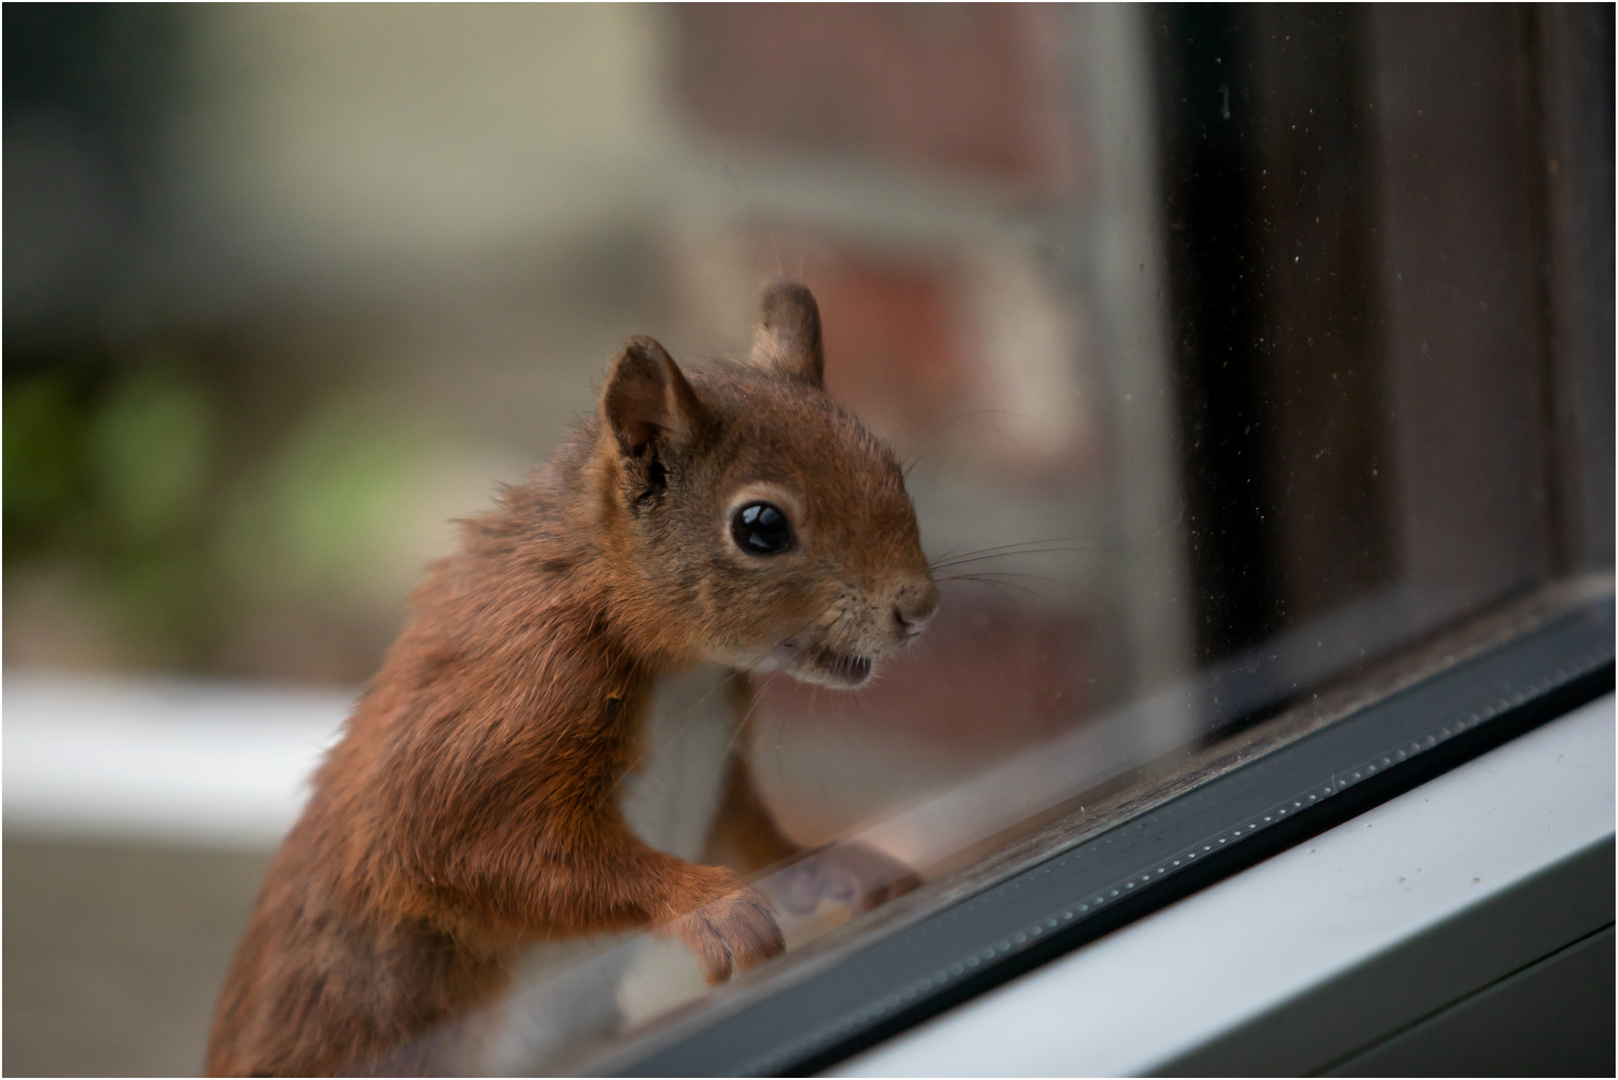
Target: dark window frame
(1305, 770)
(1442, 699)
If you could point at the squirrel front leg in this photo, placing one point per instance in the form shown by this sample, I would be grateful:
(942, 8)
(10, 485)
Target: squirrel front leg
(601, 877)
(745, 835)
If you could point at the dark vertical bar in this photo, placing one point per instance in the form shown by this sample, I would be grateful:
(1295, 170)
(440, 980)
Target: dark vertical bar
(1572, 56)
(1323, 366)
(1205, 95)
(1463, 333)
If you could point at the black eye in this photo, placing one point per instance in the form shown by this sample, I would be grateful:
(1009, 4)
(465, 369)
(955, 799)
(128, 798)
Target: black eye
(761, 529)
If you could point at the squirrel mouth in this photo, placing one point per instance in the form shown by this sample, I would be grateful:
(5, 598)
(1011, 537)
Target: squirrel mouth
(849, 671)
(820, 665)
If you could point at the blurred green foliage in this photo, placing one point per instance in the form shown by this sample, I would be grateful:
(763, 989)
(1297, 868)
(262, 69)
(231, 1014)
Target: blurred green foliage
(335, 510)
(176, 534)
(110, 469)
(44, 456)
(150, 452)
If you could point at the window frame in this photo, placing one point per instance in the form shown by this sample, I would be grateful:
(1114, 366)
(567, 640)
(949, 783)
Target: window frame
(1444, 703)
(1438, 933)
(1490, 676)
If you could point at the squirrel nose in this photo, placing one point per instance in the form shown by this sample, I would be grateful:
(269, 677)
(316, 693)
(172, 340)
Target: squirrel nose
(912, 614)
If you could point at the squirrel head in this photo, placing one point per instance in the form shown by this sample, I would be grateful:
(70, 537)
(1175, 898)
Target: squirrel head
(750, 520)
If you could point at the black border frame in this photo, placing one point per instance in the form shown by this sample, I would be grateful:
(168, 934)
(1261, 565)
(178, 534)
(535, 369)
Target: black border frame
(1224, 825)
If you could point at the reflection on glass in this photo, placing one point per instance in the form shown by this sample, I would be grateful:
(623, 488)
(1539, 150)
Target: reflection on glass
(1206, 335)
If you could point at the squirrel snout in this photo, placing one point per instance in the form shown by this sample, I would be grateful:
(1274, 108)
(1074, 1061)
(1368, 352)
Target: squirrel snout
(913, 611)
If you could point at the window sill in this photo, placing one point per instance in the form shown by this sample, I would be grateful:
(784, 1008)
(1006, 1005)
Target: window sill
(1288, 780)
(1204, 985)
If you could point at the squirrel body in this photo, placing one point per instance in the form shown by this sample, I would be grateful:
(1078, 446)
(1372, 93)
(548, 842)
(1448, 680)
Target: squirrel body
(736, 516)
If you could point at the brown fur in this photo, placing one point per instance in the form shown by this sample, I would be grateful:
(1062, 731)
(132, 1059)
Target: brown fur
(470, 807)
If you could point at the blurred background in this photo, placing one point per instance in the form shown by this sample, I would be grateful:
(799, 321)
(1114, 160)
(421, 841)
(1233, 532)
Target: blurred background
(1209, 330)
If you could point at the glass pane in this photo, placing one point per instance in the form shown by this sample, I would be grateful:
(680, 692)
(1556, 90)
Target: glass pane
(1227, 351)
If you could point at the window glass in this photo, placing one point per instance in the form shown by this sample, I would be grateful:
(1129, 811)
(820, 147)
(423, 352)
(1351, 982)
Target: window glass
(1228, 352)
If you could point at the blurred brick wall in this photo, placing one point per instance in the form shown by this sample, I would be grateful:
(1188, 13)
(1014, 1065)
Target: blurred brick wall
(967, 88)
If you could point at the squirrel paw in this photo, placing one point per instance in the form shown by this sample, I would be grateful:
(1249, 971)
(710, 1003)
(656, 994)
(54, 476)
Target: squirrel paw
(849, 873)
(733, 932)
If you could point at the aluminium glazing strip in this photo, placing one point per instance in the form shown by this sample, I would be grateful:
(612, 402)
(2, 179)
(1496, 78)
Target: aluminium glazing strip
(1233, 821)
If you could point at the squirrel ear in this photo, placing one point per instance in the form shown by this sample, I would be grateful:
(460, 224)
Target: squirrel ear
(648, 401)
(788, 334)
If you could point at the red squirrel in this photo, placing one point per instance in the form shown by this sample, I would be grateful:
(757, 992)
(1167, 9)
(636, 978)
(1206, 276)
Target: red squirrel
(734, 514)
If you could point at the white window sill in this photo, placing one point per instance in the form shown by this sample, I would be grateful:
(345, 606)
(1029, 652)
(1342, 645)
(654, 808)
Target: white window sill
(1173, 981)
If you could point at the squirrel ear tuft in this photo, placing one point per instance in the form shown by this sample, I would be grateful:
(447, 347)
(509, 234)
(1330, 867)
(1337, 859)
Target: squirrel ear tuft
(788, 334)
(647, 403)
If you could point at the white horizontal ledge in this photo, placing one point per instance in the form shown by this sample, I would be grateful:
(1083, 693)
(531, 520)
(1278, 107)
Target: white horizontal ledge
(161, 760)
(1175, 980)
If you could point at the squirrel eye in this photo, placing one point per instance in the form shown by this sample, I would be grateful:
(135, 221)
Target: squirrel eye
(760, 528)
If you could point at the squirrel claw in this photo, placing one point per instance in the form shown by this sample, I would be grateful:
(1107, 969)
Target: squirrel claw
(735, 932)
(849, 873)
